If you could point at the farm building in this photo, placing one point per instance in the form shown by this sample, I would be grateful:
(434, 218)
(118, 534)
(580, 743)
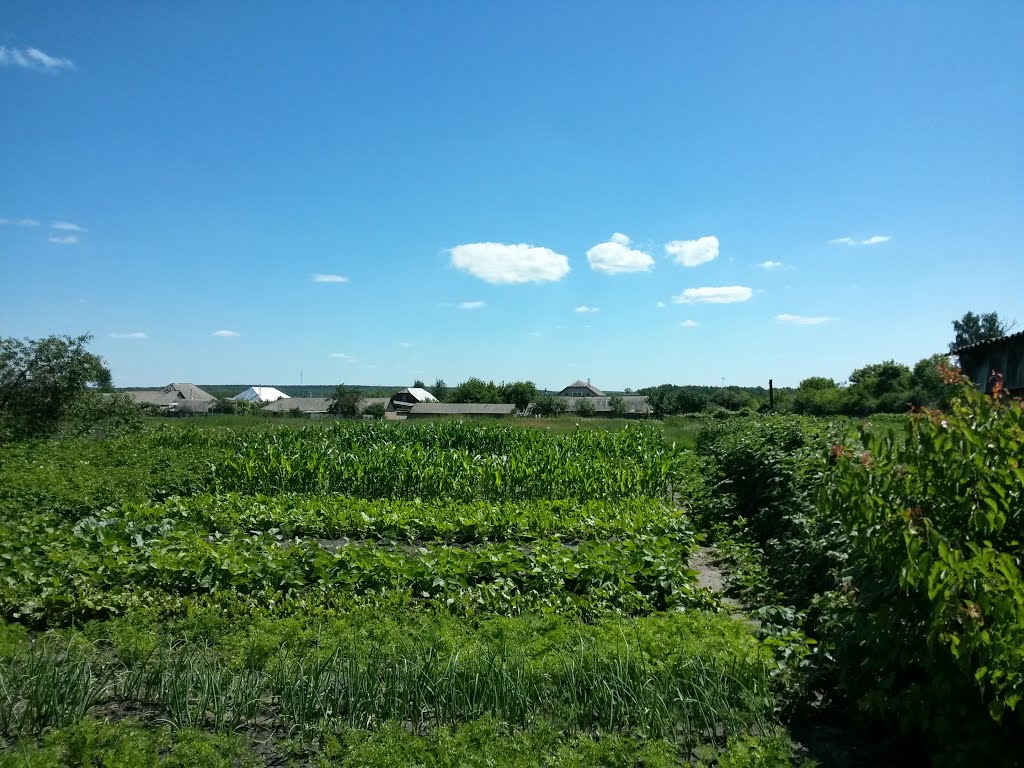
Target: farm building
(404, 399)
(314, 407)
(636, 405)
(260, 395)
(431, 410)
(580, 388)
(175, 398)
(1004, 356)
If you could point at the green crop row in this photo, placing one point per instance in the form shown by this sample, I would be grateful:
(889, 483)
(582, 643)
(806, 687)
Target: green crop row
(56, 573)
(688, 678)
(334, 516)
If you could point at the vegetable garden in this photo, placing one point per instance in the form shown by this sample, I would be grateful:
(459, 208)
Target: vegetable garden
(463, 594)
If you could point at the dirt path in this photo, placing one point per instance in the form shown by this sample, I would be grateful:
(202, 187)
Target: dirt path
(710, 575)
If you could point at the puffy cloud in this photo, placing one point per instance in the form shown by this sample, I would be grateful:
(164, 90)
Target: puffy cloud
(33, 58)
(615, 257)
(585, 310)
(660, 305)
(693, 253)
(873, 240)
(471, 305)
(503, 263)
(345, 358)
(689, 323)
(28, 223)
(728, 294)
(128, 335)
(329, 279)
(226, 334)
(770, 264)
(63, 239)
(802, 319)
(405, 344)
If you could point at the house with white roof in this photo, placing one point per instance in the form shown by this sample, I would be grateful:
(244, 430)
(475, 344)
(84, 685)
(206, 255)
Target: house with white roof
(261, 395)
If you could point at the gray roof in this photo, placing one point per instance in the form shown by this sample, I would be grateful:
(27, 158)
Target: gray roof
(987, 342)
(580, 384)
(153, 397)
(314, 404)
(189, 392)
(462, 409)
(633, 403)
(304, 404)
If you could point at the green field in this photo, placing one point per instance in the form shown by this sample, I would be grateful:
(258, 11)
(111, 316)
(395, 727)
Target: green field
(278, 592)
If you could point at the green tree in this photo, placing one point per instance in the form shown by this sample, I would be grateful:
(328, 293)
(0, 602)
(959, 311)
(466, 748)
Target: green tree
(41, 380)
(584, 407)
(521, 393)
(618, 405)
(474, 390)
(440, 390)
(547, 405)
(972, 328)
(818, 396)
(376, 410)
(344, 402)
(930, 386)
(418, 384)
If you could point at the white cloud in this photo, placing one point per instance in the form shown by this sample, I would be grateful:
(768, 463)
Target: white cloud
(502, 263)
(770, 264)
(330, 279)
(725, 295)
(615, 257)
(405, 344)
(873, 240)
(226, 334)
(63, 239)
(33, 58)
(28, 223)
(66, 226)
(802, 319)
(4, 222)
(693, 253)
(660, 305)
(689, 323)
(471, 305)
(585, 310)
(128, 335)
(535, 334)
(345, 358)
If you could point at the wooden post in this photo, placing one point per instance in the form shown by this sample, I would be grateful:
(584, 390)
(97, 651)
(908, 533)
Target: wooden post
(771, 396)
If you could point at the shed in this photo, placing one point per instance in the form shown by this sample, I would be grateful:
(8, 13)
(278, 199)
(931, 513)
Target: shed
(431, 410)
(1004, 355)
(175, 398)
(637, 406)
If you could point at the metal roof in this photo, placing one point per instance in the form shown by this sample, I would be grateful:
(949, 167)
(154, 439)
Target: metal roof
(986, 342)
(419, 394)
(260, 395)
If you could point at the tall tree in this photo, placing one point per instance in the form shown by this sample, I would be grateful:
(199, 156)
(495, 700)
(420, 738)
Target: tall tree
(440, 390)
(41, 380)
(344, 402)
(972, 328)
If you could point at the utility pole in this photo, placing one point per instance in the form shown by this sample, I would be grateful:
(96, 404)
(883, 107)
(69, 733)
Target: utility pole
(771, 395)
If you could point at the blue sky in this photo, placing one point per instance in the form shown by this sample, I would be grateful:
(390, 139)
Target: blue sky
(738, 191)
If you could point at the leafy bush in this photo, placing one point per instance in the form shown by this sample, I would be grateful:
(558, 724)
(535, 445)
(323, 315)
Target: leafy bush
(931, 624)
